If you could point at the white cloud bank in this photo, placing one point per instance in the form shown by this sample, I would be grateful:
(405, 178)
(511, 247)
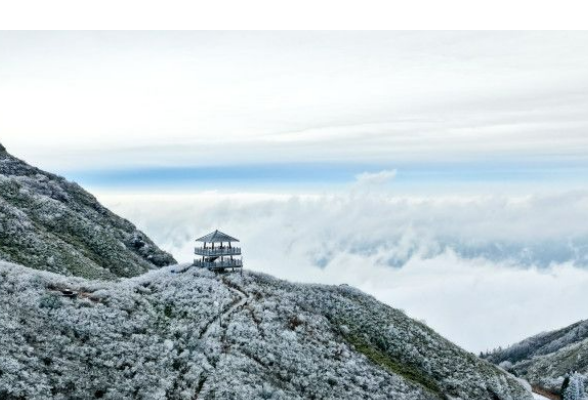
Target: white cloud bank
(375, 178)
(482, 270)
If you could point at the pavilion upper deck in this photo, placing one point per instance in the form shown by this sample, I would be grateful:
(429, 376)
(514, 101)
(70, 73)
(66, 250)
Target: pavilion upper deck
(217, 251)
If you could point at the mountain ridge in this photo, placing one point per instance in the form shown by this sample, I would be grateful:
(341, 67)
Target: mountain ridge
(52, 224)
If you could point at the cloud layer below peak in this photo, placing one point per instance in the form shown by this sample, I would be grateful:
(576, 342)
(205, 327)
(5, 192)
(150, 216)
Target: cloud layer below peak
(483, 270)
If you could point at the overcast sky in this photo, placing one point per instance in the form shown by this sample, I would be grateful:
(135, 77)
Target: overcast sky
(500, 103)
(443, 172)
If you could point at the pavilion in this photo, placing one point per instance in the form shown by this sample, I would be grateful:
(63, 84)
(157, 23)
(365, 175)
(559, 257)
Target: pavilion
(217, 252)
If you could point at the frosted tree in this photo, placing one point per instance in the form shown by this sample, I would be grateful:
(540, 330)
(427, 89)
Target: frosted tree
(575, 389)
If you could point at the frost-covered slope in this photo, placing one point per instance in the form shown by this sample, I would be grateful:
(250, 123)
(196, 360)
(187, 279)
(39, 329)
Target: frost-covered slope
(194, 335)
(49, 223)
(545, 359)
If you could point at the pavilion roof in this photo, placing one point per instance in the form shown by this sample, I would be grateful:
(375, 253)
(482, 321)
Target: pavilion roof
(217, 237)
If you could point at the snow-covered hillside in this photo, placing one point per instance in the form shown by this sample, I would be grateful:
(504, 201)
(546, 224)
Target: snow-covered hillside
(51, 224)
(547, 358)
(171, 334)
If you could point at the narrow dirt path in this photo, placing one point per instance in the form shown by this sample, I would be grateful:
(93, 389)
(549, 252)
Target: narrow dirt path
(220, 318)
(540, 393)
(236, 304)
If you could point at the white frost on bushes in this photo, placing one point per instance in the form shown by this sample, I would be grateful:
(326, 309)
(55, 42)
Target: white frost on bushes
(160, 336)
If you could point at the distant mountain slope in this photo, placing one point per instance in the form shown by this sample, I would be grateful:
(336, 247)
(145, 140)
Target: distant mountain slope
(195, 335)
(51, 224)
(546, 358)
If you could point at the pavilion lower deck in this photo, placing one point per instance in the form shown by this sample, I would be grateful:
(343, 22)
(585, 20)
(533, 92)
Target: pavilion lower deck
(218, 265)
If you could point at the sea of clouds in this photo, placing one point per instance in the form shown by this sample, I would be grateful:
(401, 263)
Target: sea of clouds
(482, 270)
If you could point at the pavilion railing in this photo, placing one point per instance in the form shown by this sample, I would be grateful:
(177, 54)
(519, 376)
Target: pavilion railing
(219, 251)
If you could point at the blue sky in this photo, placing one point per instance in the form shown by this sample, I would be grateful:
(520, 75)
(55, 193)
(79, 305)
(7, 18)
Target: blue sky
(312, 178)
(274, 109)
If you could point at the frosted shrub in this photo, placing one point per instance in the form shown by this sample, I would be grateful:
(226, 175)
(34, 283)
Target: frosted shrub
(50, 300)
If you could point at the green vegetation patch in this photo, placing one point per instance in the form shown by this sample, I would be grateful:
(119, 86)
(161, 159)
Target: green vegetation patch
(382, 359)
